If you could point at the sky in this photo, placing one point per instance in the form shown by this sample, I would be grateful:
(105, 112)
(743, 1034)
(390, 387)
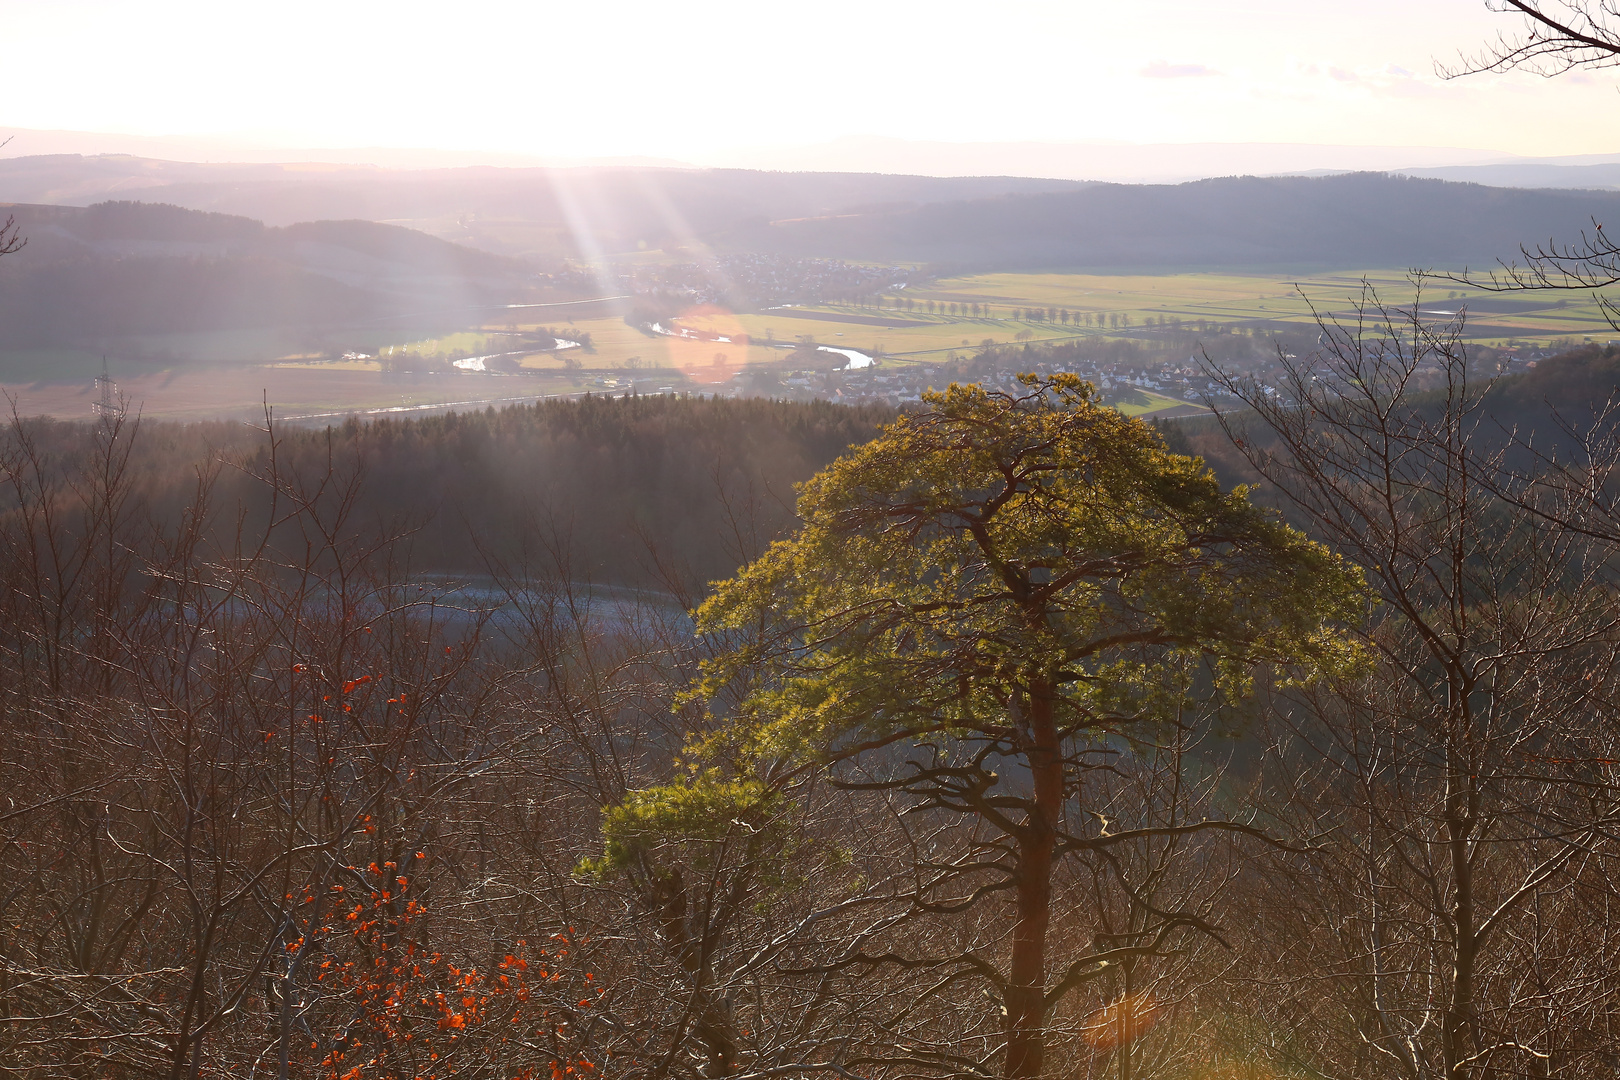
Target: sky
(704, 80)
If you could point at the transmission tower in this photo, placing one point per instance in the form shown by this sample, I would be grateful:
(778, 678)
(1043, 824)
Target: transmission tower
(107, 405)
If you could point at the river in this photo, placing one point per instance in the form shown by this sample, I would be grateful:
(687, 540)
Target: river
(854, 357)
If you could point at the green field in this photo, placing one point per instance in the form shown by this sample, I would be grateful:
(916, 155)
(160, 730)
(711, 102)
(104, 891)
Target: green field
(1155, 403)
(1096, 305)
(146, 353)
(932, 340)
(1259, 300)
(615, 345)
(1136, 305)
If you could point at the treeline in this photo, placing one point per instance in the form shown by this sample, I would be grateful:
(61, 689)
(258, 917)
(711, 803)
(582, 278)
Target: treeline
(1183, 346)
(281, 801)
(637, 486)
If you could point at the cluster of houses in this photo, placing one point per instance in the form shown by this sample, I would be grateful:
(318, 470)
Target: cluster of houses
(899, 384)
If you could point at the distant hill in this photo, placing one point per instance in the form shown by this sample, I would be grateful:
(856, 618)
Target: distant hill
(128, 268)
(540, 213)
(1345, 221)
(1603, 175)
(1342, 221)
(117, 271)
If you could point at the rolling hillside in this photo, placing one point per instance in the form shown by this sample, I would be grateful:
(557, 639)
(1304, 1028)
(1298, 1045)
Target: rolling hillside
(545, 214)
(122, 268)
(985, 222)
(1357, 219)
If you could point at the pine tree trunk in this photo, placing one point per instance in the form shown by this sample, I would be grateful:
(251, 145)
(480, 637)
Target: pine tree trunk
(1025, 996)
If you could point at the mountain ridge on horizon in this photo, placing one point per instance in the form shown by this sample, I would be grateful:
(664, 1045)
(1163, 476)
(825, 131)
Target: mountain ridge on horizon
(1093, 159)
(1342, 219)
(529, 213)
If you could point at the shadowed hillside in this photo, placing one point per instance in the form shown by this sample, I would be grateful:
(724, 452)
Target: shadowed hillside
(541, 213)
(1359, 219)
(549, 215)
(125, 268)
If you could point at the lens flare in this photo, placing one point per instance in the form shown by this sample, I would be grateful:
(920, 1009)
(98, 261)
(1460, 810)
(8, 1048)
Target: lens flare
(1122, 1022)
(708, 343)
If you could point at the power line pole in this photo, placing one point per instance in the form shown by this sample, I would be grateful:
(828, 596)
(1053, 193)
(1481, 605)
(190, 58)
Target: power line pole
(108, 406)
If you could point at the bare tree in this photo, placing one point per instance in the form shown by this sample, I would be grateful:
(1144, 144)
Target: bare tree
(249, 775)
(1462, 794)
(1555, 37)
(11, 238)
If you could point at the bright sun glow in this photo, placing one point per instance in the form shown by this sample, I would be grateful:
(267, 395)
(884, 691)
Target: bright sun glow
(716, 81)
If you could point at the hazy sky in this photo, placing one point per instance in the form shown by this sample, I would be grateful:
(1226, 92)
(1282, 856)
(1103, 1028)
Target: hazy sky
(596, 77)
